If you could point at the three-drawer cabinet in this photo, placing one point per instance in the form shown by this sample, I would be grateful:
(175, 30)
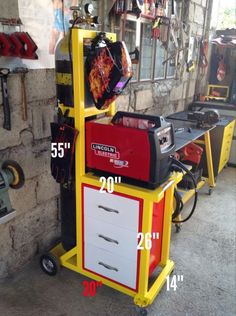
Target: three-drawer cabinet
(111, 223)
(221, 142)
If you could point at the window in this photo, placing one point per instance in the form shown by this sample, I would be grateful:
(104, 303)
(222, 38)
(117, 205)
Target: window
(137, 33)
(130, 40)
(146, 52)
(171, 59)
(160, 54)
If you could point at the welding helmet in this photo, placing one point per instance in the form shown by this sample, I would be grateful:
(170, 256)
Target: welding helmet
(108, 68)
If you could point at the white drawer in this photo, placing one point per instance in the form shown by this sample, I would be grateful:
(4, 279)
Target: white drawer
(111, 208)
(117, 240)
(111, 266)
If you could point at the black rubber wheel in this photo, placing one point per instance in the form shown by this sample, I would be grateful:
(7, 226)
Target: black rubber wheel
(143, 312)
(210, 191)
(178, 228)
(17, 172)
(49, 264)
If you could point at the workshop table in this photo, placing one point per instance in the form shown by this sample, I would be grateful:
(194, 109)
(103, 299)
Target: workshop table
(186, 132)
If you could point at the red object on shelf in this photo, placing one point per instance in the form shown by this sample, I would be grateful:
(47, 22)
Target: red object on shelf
(29, 46)
(6, 46)
(191, 153)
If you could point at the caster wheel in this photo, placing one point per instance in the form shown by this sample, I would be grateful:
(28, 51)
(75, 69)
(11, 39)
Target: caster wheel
(210, 191)
(143, 312)
(177, 228)
(49, 264)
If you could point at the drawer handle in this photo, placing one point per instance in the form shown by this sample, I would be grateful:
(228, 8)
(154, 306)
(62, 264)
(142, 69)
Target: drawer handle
(107, 209)
(107, 266)
(108, 239)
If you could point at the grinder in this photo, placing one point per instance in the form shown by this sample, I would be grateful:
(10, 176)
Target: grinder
(11, 175)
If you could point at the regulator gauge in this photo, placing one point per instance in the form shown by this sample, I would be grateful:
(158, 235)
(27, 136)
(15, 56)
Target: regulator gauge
(88, 8)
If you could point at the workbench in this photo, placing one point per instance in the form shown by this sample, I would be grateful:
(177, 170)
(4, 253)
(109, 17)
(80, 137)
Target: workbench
(227, 112)
(187, 132)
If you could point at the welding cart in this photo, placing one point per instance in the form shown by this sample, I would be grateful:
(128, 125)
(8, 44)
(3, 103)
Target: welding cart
(107, 225)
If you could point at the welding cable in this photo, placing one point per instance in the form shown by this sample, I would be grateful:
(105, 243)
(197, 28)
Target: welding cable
(179, 204)
(182, 166)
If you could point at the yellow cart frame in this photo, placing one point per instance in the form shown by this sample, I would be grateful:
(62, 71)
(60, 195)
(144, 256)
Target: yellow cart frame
(72, 259)
(210, 96)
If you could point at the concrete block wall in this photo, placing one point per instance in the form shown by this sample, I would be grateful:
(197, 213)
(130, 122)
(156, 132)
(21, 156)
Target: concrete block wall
(37, 220)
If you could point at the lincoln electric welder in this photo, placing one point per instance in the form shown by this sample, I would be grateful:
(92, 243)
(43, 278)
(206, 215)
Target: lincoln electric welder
(134, 146)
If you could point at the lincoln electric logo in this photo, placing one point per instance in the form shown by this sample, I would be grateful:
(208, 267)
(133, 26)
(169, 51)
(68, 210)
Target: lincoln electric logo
(105, 151)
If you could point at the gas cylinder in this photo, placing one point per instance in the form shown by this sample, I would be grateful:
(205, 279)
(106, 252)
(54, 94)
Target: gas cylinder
(65, 97)
(64, 78)
(63, 64)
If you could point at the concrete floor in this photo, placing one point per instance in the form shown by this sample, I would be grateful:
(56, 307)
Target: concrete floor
(204, 253)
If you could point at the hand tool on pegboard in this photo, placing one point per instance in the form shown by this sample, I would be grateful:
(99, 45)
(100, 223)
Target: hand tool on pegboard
(22, 71)
(6, 108)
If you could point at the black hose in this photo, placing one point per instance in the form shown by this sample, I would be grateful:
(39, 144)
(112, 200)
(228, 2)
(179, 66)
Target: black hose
(178, 211)
(179, 204)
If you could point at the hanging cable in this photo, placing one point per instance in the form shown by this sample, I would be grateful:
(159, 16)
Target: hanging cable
(177, 197)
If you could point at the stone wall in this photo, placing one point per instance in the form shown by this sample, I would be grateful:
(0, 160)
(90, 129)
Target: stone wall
(36, 224)
(37, 217)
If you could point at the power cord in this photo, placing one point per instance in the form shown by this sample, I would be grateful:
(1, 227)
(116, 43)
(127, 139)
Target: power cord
(179, 203)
